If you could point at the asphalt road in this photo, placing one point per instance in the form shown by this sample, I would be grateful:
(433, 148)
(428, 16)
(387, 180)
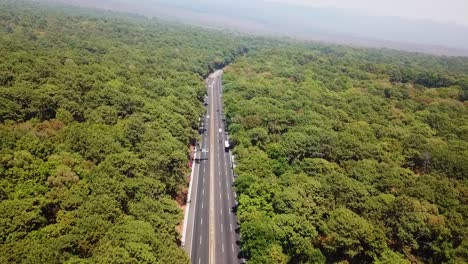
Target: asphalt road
(211, 235)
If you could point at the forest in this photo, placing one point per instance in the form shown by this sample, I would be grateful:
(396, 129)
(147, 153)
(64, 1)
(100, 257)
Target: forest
(97, 113)
(349, 155)
(344, 155)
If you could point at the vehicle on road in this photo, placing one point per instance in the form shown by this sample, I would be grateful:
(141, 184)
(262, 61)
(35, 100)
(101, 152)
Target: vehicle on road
(233, 162)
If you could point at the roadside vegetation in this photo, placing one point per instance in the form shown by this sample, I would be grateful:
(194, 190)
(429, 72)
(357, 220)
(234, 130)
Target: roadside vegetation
(350, 155)
(97, 112)
(344, 155)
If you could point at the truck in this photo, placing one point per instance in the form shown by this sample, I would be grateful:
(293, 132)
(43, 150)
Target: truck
(226, 145)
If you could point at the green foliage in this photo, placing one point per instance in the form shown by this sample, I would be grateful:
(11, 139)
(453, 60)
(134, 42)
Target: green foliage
(344, 155)
(390, 257)
(97, 112)
(349, 155)
(352, 237)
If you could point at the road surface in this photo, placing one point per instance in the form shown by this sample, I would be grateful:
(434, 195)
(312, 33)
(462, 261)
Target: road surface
(211, 235)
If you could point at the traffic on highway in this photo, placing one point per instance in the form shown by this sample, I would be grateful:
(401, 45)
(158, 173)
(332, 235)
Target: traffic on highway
(210, 232)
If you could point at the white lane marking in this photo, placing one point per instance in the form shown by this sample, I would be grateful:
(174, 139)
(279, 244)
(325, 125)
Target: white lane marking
(220, 196)
(222, 228)
(203, 191)
(202, 204)
(222, 247)
(229, 197)
(200, 240)
(199, 260)
(232, 247)
(230, 227)
(201, 221)
(203, 179)
(221, 211)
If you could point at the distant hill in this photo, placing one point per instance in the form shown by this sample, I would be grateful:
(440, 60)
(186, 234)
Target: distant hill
(307, 23)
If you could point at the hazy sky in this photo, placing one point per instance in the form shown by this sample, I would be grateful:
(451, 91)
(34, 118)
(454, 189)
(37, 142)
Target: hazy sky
(451, 11)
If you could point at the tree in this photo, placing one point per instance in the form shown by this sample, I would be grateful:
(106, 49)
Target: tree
(349, 236)
(96, 118)
(348, 141)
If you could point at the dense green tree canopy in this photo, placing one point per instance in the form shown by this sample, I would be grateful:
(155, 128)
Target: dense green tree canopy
(97, 111)
(344, 155)
(349, 155)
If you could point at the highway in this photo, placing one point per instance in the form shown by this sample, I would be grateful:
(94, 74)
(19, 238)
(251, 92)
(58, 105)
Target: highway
(210, 234)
